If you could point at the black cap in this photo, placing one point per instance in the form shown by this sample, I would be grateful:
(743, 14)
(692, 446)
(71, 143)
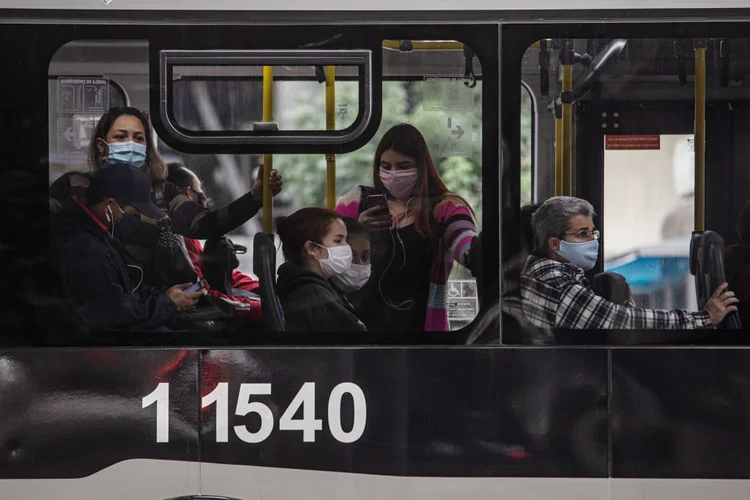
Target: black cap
(127, 183)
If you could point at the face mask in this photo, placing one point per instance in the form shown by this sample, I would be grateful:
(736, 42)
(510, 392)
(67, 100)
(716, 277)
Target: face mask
(127, 152)
(583, 255)
(400, 183)
(353, 278)
(127, 225)
(338, 261)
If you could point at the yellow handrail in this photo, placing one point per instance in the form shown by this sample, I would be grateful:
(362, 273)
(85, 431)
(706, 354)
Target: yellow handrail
(330, 72)
(559, 157)
(699, 138)
(267, 158)
(567, 131)
(434, 45)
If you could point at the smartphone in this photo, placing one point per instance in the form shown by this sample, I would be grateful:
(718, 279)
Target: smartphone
(196, 286)
(377, 200)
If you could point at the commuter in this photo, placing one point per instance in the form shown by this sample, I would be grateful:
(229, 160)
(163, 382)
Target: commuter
(94, 268)
(418, 228)
(555, 293)
(737, 265)
(358, 274)
(614, 288)
(315, 249)
(123, 136)
(191, 186)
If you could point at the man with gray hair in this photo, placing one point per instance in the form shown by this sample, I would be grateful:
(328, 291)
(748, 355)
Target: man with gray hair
(555, 293)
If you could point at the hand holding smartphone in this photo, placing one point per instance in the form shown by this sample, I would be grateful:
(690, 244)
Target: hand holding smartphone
(377, 217)
(200, 285)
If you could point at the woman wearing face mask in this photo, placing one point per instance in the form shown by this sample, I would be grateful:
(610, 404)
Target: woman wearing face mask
(418, 228)
(354, 278)
(315, 249)
(123, 136)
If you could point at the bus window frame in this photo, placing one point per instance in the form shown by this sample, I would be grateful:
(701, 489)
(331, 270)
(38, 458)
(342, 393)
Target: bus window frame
(251, 140)
(484, 40)
(516, 38)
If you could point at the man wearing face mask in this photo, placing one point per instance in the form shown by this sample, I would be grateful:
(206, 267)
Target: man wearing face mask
(555, 293)
(101, 280)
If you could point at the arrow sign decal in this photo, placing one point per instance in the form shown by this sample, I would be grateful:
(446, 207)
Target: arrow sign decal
(459, 131)
(68, 134)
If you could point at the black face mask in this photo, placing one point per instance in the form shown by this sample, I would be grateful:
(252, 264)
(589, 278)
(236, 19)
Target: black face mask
(127, 225)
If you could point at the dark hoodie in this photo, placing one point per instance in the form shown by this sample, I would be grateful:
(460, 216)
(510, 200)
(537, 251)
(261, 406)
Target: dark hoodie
(310, 303)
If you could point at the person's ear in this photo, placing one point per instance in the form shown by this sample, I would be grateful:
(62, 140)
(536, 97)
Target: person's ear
(311, 248)
(554, 244)
(101, 145)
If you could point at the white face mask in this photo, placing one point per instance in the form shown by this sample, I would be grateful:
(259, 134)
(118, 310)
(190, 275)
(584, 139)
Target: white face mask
(353, 278)
(338, 261)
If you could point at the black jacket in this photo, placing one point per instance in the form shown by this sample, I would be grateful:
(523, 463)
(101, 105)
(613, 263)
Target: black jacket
(92, 271)
(310, 304)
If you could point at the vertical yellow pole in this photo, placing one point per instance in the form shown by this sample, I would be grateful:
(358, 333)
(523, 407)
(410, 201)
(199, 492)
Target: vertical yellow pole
(558, 157)
(567, 130)
(267, 158)
(699, 138)
(330, 72)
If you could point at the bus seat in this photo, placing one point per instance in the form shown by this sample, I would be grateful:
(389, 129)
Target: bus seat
(264, 266)
(219, 261)
(707, 260)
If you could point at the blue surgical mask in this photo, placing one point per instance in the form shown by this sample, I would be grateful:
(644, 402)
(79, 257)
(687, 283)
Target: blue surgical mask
(127, 152)
(583, 255)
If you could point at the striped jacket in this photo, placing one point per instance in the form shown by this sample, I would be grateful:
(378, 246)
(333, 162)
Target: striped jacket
(556, 295)
(456, 230)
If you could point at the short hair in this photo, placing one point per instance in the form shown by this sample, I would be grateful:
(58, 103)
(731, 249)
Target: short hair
(552, 219)
(354, 227)
(611, 286)
(179, 175)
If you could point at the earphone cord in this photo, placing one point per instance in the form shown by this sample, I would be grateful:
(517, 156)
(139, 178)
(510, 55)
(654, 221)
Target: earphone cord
(403, 305)
(140, 282)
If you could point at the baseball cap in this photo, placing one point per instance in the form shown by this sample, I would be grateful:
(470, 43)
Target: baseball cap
(127, 183)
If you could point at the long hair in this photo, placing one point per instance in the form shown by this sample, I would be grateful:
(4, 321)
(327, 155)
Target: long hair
(430, 190)
(306, 224)
(154, 166)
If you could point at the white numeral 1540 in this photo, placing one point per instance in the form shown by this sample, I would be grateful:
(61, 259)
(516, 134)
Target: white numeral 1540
(304, 399)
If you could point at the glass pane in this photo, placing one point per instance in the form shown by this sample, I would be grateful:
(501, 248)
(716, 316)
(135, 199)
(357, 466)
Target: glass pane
(648, 224)
(427, 89)
(615, 126)
(230, 98)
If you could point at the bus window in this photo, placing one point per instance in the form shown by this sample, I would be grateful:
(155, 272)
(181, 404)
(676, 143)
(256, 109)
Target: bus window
(231, 97)
(649, 224)
(618, 128)
(438, 91)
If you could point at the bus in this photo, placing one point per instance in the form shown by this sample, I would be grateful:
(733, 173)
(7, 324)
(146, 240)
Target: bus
(638, 107)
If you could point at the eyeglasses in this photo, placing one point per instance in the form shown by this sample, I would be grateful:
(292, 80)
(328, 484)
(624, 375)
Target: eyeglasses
(585, 234)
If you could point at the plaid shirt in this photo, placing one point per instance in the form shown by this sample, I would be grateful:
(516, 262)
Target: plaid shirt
(556, 295)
